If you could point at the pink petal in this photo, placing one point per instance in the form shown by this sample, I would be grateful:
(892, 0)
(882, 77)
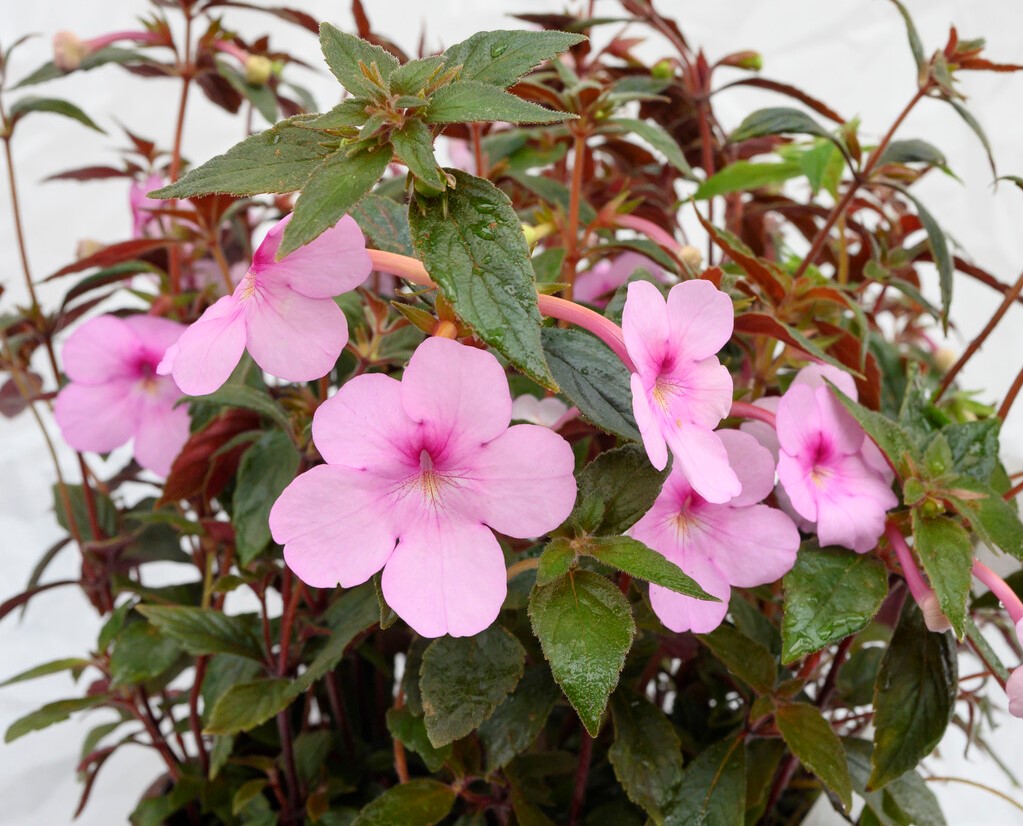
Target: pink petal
(208, 351)
(799, 422)
(682, 613)
(702, 392)
(702, 458)
(842, 429)
(334, 525)
(762, 431)
(649, 426)
(446, 577)
(876, 460)
(606, 276)
(701, 318)
(96, 417)
(646, 327)
(852, 506)
(156, 334)
(333, 263)
(1014, 691)
(364, 426)
(813, 376)
(161, 433)
(750, 545)
(292, 336)
(752, 464)
(802, 492)
(103, 349)
(521, 483)
(458, 393)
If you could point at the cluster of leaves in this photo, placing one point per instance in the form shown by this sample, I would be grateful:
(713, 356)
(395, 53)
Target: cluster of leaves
(577, 703)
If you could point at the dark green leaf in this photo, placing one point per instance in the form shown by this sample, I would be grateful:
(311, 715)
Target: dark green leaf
(810, 737)
(746, 175)
(474, 101)
(344, 52)
(746, 659)
(555, 561)
(945, 551)
(277, 160)
(205, 630)
(829, 594)
(247, 705)
(334, 187)
(978, 130)
(656, 136)
(893, 440)
(413, 77)
(585, 627)
(593, 378)
(419, 802)
(472, 245)
(413, 146)
(385, 223)
(518, 720)
(713, 788)
(974, 447)
(106, 511)
(939, 248)
(141, 653)
(73, 664)
(502, 57)
(554, 193)
(646, 754)
(260, 96)
(762, 759)
(411, 731)
(911, 151)
(349, 616)
(778, 120)
(905, 801)
(266, 468)
(463, 679)
(547, 265)
(624, 482)
(914, 697)
(56, 106)
(56, 712)
(993, 519)
(914, 39)
(346, 117)
(222, 672)
(113, 625)
(246, 793)
(637, 560)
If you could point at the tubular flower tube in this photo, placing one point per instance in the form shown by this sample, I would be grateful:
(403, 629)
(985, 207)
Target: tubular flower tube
(680, 391)
(922, 593)
(69, 50)
(419, 474)
(1000, 588)
(720, 545)
(115, 394)
(283, 312)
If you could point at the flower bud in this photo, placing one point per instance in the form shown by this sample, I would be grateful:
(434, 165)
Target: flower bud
(663, 69)
(753, 61)
(68, 51)
(934, 618)
(944, 358)
(258, 70)
(691, 257)
(87, 247)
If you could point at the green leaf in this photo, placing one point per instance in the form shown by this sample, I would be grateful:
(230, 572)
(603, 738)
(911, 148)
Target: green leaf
(914, 38)
(266, 469)
(637, 560)
(778, 120)
(913, 150)
(413, 146)
(501, 57)
(260, 96)
(344, 52)
(413, 77)
(810, 737)
(278, 160)
(625, 484)
(746, 659)
(247, 705)
(355, 611)
(519, 719)
(419, 802)
(593, 378)
(248, 398)
(585, 628)
(468, 101)
(247, 792)
(556, 560)
(993, 519)
(346, 117)
(713, 788)
(914, 697)
(657, 137)
(26, 105)
(334, 187)
(106, 511)
(205, 630)
(141, 653)
(746, 175)
(830, 593)
(974, 447)
(815, 163)
(945, 551)
(893, 441)
(463, 679)
(762, 759)
(646, 754)
(905, 801)
(472, 245)
(978, 130)
(411, 731)
(385, 223)
(222, 672)
(56, 712)
(73, 664)
(939, 248)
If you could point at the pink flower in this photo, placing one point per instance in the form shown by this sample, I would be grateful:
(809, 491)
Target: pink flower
(680, 391)
(141, 204)
(283, 312)
(595, 285)
(115, 395)
(419, 474)
(1014, 690)
(549, 412)
(738, 542)
(833, 474)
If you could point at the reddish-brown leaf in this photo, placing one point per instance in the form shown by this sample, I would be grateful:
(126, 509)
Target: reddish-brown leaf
(199, 468)
(114, 254)
(769, 276)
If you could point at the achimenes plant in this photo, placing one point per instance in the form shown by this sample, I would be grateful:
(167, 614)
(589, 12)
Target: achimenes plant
(570, 523)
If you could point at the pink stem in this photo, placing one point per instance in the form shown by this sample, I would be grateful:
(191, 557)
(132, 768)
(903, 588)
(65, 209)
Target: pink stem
(104, 40)
(1000, 589)
(650, 230)
(233, 49)
(603, 328)
(745, 410)
(917, 587)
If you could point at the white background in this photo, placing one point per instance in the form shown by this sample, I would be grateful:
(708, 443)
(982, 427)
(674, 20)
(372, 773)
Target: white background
(851, 53)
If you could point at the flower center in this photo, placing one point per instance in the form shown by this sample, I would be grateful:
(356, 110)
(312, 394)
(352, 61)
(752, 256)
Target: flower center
(248, 286)
(148, 381)
(428, 481)
(663, 391)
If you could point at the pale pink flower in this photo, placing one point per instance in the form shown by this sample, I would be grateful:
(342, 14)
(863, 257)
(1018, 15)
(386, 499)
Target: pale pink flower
(142, 204)
(596, 284)
(115, 395)
(549, 412)
(1014, 690)
(283, 312)
(419, 474)
(736, 543)
(680, 391)
(833, 474)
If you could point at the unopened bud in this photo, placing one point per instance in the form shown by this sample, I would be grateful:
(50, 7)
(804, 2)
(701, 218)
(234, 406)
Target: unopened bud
(753, 61)
(944, 358)
(663, 70)
(87, 247)
(934, 618)
(68, 51)
(691, 257)
(258, 69)
(445, 329)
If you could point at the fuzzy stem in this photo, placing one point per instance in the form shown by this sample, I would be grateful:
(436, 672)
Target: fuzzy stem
(1000, 589)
